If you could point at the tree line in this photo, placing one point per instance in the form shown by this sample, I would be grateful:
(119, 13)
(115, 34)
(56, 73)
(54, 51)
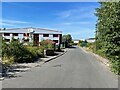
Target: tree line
(108, 32)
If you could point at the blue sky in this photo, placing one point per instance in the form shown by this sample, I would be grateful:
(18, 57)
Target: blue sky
(77, 19)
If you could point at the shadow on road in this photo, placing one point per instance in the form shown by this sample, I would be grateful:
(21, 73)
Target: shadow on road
(72, 47)
(54, 54)
(11, 71)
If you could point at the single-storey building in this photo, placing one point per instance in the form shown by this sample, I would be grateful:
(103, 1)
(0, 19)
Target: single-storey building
(90, 40)
(37, 35)
(76, 41)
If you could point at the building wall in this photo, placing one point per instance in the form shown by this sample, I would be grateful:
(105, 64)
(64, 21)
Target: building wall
(41, 37)
(90, 41)
(76, 42)
(7, 37)
(21, 37)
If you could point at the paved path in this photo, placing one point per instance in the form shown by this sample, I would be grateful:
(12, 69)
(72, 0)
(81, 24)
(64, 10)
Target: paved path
(75, 69)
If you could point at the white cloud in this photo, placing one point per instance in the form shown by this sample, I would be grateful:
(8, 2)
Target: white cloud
(64, 14)
(14, 21)
(65, 24)
(75, 23)
(77, 12)
(7, 22)
(82, 22)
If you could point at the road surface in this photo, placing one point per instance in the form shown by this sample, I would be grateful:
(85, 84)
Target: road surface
(75, 69)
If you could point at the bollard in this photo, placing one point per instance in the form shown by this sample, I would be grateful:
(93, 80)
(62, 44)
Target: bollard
(45, 53)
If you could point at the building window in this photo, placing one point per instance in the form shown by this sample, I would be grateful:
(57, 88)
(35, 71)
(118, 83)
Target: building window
(26, 34)
(6, 34)
(15, 40)
(56, 41)
(55, 35)
(45, 35)
(7, 40)
(15, 34)
(26, 40)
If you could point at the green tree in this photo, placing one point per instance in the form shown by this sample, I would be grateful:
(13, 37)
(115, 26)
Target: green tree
(4, 28)
(108, 32)
(67, 39)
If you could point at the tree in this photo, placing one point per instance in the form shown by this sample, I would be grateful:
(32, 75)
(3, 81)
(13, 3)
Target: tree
(4, 28)
(67, 39)
(108, 32)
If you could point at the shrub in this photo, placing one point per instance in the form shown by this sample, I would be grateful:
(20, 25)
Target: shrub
(17, 52)
(91, 46)
(7, 60)
(108, 32)
(36, 51)
(71, 43)
(48, 44)
(33, 51)
(115, 66)
(40, 52)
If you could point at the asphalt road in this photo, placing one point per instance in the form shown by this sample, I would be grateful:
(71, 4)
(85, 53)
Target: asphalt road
(75, 69)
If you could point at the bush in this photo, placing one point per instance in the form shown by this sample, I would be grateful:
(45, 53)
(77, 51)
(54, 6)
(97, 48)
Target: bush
(7, 60)
(48, 44)
(36, 51)
(17, 52)
(108, 32)
(83, 43)
(114, 59)
(115, 66)
(91, 46)
(33, 51)
(71, 43)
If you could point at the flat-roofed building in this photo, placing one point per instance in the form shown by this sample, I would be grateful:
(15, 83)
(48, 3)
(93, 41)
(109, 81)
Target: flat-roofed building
(76, 41)
(90, 40)
(32, 35)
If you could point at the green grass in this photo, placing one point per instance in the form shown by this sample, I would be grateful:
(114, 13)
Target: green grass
(115, 62)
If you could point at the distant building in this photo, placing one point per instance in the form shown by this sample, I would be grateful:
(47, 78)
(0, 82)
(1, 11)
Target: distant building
(90, 40)
(26, 35)
(76, 41)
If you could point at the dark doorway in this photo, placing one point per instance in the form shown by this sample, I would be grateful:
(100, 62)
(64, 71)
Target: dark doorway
(36, 39)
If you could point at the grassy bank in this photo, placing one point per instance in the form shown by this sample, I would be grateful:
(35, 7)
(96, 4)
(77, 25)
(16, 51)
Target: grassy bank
(114, 61)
